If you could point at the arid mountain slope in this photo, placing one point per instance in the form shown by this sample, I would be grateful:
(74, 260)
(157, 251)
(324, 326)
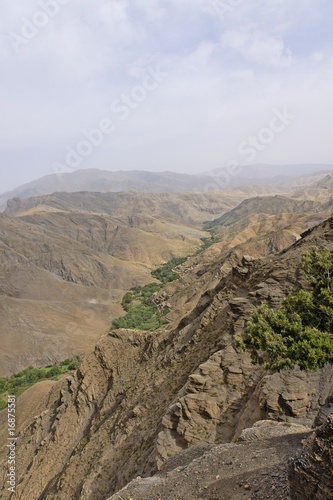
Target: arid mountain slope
(254, 467)
(270, 461)
(71, 256)
(252, 235)
(140, 397)
(105, 181)
(319, 190)
(188, 208)
(311, 472)
(269, 205)
(66, 260)
(95, 180)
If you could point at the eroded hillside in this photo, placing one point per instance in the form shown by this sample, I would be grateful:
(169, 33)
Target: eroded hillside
(96, 180)
(142, 397)
(67, 259)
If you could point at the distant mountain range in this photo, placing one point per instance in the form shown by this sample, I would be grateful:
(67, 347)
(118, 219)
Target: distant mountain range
(267, 171)
(95, 180)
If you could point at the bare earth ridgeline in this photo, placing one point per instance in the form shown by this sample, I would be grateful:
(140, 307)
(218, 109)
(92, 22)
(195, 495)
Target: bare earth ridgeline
(181, 406)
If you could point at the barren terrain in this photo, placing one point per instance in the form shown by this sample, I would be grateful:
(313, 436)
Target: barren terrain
(175, 406)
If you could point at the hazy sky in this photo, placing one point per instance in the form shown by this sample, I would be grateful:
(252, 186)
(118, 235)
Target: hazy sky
(184, 85)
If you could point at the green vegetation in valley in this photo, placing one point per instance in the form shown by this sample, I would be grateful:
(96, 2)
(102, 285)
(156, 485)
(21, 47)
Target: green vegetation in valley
(207, 242)
(300, 331)
(165, 273)
(21, 381)
(141, 312)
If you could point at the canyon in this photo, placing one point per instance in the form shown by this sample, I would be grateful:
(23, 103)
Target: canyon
(179, 412)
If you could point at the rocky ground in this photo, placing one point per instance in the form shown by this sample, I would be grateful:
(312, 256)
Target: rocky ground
(66, 260)
(140, 398)
(270, 461)
(255, 467)
(176, 403)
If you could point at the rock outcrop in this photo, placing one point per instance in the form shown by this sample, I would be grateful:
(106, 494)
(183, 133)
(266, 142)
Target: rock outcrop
(258, 467)
(141, 397)
(66, 260)
(255, 468)
(311, 473)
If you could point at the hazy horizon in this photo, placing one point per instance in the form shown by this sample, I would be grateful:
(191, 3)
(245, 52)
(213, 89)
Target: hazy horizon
(163, 85)
(299, 171)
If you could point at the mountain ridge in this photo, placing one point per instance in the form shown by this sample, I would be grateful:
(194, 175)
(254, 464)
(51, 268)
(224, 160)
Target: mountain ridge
(71, 257)
(116, 181)
(141, 397)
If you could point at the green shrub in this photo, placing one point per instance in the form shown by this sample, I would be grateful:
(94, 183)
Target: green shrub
(165, 273)
(317, 265)
(24, 379)
(54, 371)
(207, 242)
(300, 331)
(74, 364)
(3, 384)
(141, 312)
(64, 363)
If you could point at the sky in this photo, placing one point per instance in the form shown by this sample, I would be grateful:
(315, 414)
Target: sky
(180, 85)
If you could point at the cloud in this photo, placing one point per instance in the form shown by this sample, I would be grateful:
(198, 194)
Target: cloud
(202, 54)
(258, 47)
(153, 9)
(226, 73)
(317, 56)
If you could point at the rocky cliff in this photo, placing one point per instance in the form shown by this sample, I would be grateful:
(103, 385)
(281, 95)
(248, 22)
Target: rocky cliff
(66, 260)
(141, 398)
(311, 473)
(257, 466)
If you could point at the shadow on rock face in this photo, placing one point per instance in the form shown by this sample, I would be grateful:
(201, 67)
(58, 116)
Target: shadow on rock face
(311, 473)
